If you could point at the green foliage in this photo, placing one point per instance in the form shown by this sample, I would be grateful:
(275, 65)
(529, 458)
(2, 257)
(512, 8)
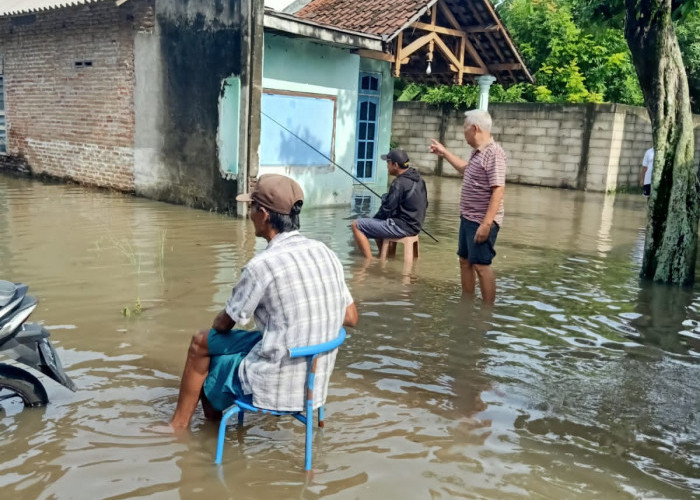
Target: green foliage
(687, 31)
(594, 14)
(577, 53)
(460, 96)
(463, 96)
(411, 91)
(574, 63)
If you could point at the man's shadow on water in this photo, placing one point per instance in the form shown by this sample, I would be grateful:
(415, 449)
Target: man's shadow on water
(465, 364)
(664, 312)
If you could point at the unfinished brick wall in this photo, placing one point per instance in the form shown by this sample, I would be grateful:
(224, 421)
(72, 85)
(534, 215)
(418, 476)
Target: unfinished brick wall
(594, 147)
(69, 82)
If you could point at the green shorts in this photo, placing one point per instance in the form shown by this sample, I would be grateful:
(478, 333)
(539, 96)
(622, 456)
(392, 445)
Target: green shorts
(227, 350)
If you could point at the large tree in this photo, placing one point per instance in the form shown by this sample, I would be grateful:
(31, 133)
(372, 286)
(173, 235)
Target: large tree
(672, 224)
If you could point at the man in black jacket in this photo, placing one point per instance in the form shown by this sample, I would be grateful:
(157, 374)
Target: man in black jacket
(403, 208)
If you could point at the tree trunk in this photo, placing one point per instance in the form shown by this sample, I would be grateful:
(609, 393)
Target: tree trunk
(672, 222)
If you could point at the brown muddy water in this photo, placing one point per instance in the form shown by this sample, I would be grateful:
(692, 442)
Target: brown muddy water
(580, 384)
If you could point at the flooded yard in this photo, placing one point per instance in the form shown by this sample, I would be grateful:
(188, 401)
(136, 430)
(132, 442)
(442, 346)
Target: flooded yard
(581, 383)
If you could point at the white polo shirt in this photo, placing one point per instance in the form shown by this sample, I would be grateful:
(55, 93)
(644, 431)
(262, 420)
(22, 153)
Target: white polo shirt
(648, 162)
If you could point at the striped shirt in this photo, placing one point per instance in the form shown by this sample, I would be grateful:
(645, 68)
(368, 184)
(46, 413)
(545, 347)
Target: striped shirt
(486, 169)
(295, 291)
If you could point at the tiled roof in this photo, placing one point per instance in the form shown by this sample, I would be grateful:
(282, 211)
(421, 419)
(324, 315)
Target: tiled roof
(16, 7)
(377, 17)
(478, 19)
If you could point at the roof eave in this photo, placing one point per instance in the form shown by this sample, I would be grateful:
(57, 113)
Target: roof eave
(412, 20)
(60, 4)
(303, 27)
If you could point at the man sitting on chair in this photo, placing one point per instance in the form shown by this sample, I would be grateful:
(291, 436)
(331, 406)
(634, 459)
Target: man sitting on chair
(403, 208)
(295, 291)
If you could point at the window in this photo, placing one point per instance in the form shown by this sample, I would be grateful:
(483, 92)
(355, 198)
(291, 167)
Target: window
(3, 127)
(367, 119)
(296, 130)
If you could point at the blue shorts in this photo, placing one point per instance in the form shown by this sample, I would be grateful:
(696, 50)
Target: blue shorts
(378, 228)
(476, 253)
(227, 350)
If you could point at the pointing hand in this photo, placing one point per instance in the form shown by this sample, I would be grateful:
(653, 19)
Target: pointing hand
(437, 148)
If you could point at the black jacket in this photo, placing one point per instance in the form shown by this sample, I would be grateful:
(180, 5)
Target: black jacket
(405, 202)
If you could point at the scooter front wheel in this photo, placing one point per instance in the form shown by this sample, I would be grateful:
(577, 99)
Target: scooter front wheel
(20, 383)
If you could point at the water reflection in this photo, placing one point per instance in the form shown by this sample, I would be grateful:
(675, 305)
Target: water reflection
(580, 383)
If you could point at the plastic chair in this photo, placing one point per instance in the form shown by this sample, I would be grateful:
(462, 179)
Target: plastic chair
(305, 416)
(410, 248)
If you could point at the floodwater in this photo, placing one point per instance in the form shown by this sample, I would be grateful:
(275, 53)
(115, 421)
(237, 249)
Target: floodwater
(581, 383)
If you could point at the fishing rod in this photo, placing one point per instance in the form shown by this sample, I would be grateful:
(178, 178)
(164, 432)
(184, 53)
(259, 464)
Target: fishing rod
(335, 164)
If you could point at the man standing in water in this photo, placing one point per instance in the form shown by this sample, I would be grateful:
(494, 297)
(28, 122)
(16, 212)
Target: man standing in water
(403, 208)
(296, 293)
(645, 172)
(481, 202)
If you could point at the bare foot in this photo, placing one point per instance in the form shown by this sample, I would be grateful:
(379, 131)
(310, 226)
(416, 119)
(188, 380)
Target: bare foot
(178, 426)
(163, 429)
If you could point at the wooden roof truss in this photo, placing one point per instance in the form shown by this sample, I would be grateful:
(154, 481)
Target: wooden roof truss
(464, 51)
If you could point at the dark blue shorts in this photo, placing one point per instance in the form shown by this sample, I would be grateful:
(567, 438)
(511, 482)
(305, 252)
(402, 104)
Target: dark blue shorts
(227, 350)
(378, 228)
(476, 253)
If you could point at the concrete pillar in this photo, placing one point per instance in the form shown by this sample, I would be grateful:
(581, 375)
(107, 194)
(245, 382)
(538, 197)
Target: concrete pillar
(485, 82)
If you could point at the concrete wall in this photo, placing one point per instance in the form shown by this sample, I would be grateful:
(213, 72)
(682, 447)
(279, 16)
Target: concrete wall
(182, 62)
(143, 116)
(65, 118)
(301, 65)
(593, 147)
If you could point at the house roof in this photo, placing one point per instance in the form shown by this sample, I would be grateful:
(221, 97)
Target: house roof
(377, 17)
(17, 7)
(478, 19)
(288, 23)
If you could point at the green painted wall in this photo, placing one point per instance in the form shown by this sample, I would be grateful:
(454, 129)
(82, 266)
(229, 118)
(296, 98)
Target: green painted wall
(301, 65)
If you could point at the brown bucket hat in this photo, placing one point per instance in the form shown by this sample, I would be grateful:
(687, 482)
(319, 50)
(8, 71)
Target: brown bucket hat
(275, 192)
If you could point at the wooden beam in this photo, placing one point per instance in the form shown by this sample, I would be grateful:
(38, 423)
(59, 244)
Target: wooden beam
(448, 14)
(462, 48)
(481, 29)
(416, 44)
(437, 29)
(446, 51)
(473, 53)
(397, 63)
(375, 54)
(471, 70)
(509, 42)
(505, 67)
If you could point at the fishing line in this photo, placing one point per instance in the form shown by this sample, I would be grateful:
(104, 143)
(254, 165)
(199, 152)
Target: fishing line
(334, 163)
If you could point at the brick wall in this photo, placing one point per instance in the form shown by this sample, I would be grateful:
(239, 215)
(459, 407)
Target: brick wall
(594, 147)
(71, 121)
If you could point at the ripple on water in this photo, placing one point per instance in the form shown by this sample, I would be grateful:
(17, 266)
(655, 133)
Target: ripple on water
(580, 383)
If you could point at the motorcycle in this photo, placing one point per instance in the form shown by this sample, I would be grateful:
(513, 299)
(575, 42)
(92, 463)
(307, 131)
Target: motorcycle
(25, 345)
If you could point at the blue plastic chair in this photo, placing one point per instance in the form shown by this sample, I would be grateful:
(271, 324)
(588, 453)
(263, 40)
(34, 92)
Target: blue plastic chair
(305, 417)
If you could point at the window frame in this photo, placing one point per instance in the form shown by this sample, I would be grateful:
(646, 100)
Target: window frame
(374, 97)
(313, 96)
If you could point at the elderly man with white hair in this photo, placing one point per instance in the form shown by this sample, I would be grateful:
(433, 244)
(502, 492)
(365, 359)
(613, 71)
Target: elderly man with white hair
(481, 202)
